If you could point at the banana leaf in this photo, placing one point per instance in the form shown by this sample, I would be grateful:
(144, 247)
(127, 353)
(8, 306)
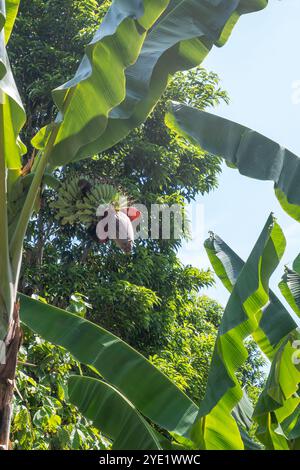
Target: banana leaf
(113, 92)
(253, 154)
(276, 322)
(85, 101)
(149, 390)
(8, 13)
(12, 118)
(243, 413)
(290, 287)
(112, 414)
(276, 333)
(180, 40)
(296, 265)
(215, 428)
(291, 427)
(280, 398)
(12, 114)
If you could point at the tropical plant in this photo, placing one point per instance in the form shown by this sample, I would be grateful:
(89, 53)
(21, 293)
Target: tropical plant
(43, 417)
(124, 71)
(216, 424)
(248, 311)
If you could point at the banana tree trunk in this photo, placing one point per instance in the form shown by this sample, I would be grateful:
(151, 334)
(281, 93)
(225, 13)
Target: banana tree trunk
(7, 377)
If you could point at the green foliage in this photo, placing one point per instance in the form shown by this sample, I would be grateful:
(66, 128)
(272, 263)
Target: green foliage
(253, 154)
(78, 200)
(113, 413)
(190, 344)
(149, 299)
(139, 294)
(47, 44)
(146, 388)
(43, 417)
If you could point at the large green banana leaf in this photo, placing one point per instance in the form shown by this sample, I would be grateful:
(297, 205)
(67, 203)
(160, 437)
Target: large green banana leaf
(112, 414)
(180, 40)
(275, 335)
(276, 322)
(8, 13)
(99, 84)
(290, 287)
(243, 413)
(150, 391)
(280, 398)
(215, 427)
(253, 154)
(12, 118)
(296, 265)
(291, 427)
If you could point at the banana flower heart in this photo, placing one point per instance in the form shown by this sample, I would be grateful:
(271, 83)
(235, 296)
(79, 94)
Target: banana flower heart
(117, 226)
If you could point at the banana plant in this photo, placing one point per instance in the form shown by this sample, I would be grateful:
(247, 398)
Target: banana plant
(277, 412)
(134, 389)
(244, 149)
(277, 333)
(124, 71)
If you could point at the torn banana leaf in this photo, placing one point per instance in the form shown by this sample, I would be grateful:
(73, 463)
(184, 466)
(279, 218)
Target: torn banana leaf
(276, 322)
(290, 288)
(180, 40)
(148, 389)
(98, 86)
(112, 414)
(275, 335)
(280, 398)
(215, 428)
(253, 154)
(12, 119)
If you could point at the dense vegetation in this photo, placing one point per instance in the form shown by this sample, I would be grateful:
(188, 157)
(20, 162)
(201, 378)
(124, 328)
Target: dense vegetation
(149, 299)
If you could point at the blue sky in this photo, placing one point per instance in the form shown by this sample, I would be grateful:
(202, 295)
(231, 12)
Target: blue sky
(258, 68)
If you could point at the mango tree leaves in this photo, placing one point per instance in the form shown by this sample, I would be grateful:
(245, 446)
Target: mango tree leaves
(180, 40)
(150, 391)
(99, 84)
(112, 414)
(215, 428)
(251, 153)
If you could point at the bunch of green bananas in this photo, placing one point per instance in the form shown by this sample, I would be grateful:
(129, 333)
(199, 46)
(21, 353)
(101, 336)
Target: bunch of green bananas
(79, 197)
